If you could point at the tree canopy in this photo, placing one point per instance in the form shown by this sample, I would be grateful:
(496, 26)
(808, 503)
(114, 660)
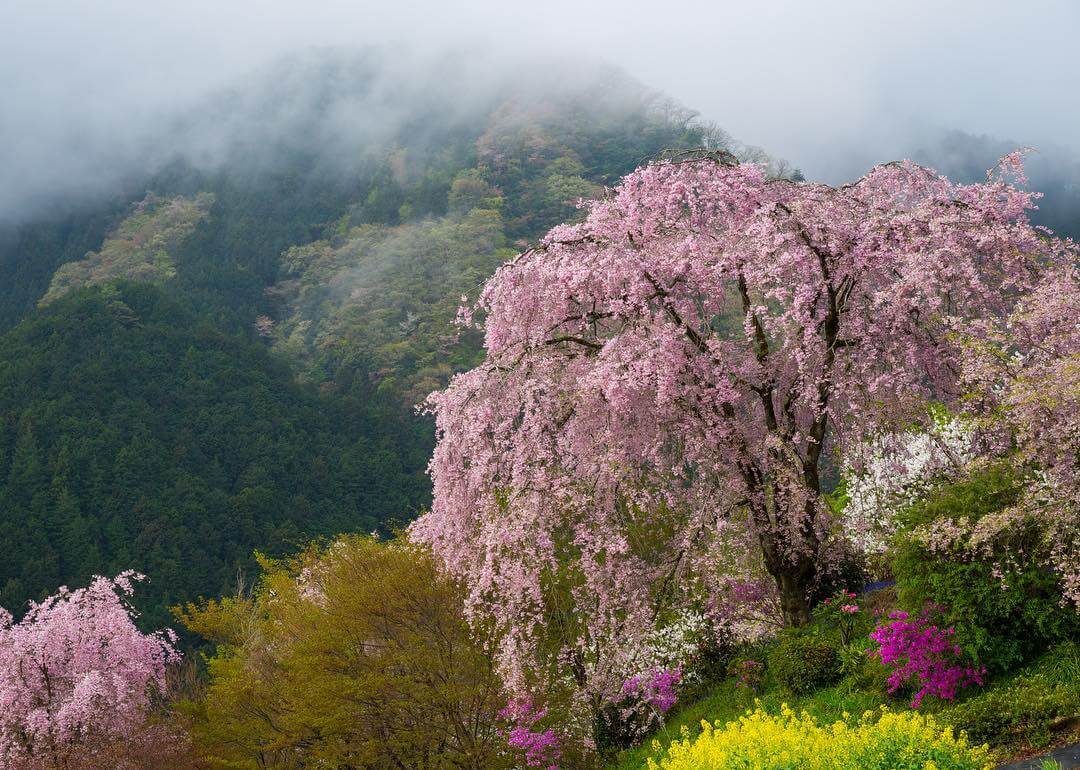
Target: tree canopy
(662, 381)
(355, 655)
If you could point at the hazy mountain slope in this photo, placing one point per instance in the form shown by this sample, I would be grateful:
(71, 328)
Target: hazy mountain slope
(329, 209)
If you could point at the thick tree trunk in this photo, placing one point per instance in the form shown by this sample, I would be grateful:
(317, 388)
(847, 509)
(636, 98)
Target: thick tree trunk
(794, 581)
(794, 578)
(794, 584)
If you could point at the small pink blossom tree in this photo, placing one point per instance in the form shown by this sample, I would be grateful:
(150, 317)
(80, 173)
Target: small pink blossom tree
(663, 378)
(75, 671)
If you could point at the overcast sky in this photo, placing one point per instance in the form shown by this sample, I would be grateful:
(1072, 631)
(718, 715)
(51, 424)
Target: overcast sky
(832, 85)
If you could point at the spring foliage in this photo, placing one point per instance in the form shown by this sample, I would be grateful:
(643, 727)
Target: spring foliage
(350, 656)
(973, 548)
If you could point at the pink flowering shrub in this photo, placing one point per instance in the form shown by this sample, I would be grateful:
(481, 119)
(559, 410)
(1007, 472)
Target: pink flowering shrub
(639, 706)
(920, 653)
(540, 748)
(75, 670)
(840, 612)
(655, 688)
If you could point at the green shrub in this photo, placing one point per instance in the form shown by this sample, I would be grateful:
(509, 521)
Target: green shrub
(802, 663)
(1025, 711)
(862, 670)
(1027, 707)
(1005, 611)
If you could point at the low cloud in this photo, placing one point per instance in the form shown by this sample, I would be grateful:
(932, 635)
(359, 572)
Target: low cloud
(92, 93)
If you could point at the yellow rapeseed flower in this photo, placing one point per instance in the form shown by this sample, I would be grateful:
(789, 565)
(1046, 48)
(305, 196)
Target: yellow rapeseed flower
(880, 740)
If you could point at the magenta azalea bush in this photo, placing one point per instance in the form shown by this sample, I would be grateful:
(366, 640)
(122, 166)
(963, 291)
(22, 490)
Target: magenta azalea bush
(920, 653)
(655, 688)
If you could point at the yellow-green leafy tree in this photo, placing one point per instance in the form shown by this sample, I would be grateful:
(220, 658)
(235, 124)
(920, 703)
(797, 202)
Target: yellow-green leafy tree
(350, 655)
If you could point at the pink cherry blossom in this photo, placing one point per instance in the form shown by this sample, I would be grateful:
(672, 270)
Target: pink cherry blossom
(76, 668)
(1024, 371)
(662, 380)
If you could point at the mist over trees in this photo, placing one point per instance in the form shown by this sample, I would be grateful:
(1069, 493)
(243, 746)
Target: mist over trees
(1052, 169)
(330, 217)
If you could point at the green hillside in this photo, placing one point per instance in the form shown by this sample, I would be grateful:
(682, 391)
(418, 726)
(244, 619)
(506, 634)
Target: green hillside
(227, 357)
(135, 435)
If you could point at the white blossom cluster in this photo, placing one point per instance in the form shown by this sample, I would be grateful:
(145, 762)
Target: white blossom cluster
(674, 644)
(892, 471)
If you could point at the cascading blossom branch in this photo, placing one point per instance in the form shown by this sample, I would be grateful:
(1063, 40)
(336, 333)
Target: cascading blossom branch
(75, 669)
(661, 381)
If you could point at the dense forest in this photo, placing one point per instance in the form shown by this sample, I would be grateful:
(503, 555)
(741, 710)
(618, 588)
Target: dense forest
(137, 435)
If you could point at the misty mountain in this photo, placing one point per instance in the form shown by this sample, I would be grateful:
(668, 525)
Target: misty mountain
(223, 351)
(289, 149)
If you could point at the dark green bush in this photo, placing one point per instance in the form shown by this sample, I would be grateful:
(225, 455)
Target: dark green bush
(1026, 708)
(709, 667)
(802, 662)
(1023, 713)
(1001, 620)
(861, 668)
